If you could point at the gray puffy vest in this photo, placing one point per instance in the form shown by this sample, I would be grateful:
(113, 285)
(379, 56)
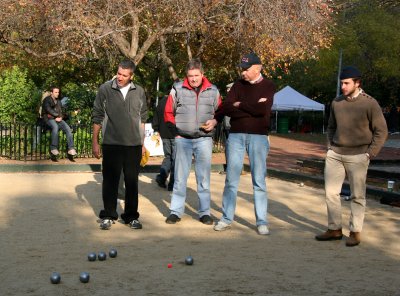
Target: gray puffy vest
(191, 111)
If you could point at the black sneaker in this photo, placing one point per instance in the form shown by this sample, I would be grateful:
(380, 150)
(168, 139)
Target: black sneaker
(135, 224)
(160, 181)
(206, 219)
(172, 219)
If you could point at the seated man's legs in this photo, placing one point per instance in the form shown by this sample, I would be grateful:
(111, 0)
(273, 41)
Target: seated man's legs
(68, 132)
(54, 136)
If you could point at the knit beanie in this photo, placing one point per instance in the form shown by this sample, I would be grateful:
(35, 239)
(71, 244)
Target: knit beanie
(350, 72)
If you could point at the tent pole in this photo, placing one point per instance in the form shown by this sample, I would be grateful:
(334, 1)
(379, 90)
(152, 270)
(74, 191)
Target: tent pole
(276, 121)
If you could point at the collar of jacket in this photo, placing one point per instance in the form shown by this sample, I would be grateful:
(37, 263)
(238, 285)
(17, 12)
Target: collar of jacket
(114, 85)
(204, 84)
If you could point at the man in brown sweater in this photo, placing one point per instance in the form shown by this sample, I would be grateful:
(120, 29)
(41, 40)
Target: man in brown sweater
(356, 132)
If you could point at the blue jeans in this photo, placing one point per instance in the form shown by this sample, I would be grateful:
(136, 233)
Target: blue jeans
(167, 165)
(55, 126)
(257, 148)
(201, 149)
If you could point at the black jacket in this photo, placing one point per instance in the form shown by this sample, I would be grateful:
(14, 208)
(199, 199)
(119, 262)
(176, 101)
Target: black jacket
(158, 124)
(51, 109)
(120, 118)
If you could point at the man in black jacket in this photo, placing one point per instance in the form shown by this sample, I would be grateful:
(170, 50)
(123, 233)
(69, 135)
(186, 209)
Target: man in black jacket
(120, 112)
(168, 140)
(53, 117)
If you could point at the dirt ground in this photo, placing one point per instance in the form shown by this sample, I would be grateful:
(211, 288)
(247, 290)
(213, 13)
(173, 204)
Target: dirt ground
(48, 223)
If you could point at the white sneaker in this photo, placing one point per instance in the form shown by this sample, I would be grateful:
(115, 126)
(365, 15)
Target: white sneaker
(54, 152)
(105, 224)
(262, 229)
(221, 226)
(72, 152)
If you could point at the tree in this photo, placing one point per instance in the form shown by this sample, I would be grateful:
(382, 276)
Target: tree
(19, 98)
(368, 33)
(89, 29)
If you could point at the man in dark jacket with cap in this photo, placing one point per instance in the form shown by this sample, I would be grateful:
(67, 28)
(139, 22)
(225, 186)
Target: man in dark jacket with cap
(248, 104)
(356, 132)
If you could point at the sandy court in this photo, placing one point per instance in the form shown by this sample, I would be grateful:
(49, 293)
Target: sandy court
(48, 223)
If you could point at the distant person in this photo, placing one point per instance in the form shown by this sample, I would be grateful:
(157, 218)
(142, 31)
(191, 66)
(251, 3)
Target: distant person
(356, 132)
(248, 104)
(226, 126)
(393, 120)
(190, 105)
(120, 111)
(40, 124)
(168, 140)
(53, 116)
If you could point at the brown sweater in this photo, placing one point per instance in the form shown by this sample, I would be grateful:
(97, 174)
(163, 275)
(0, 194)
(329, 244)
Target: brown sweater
(251, 117)
(356, 126)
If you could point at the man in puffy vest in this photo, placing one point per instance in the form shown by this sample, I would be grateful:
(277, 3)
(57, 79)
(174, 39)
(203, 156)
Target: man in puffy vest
(190, 104)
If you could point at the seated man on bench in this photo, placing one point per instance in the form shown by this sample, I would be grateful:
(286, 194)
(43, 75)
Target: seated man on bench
(53, 117)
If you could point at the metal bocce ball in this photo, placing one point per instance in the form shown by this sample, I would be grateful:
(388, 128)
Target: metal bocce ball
(113, 253)
(84, 277)
(189, 260)
(55, 278)
(102, 256)
(92, 257)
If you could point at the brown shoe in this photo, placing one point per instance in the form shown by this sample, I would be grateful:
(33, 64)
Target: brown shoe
(330, 235)
(354, 239)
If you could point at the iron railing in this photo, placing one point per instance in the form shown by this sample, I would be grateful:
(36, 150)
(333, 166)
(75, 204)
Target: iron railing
(26, 142)
(29, 142)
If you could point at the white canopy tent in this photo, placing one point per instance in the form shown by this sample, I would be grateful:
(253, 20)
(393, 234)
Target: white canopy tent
(288, 99)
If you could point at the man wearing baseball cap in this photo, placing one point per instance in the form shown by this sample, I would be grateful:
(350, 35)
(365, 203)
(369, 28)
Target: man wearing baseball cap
(248, 104)
(356, 132)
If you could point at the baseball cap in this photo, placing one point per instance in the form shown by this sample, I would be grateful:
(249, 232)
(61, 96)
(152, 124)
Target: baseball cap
(249, 60)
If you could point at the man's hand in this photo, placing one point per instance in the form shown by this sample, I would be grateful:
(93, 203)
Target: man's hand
(236, 104)
(143, 150)
(96, 149)
(262, 100)
(209, 125)
(58, 119)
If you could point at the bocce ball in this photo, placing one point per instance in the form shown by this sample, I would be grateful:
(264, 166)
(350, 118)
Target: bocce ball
(55, 278)
(112, 253)
(84, 277)
(92, 257)
(189, 260)
(102, 256)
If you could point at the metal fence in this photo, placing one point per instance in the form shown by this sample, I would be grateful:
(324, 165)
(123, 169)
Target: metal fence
(30, 142)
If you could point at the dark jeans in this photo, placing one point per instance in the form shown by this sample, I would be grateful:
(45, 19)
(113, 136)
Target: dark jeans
(55, 127)
(116, 159)
(168, 164)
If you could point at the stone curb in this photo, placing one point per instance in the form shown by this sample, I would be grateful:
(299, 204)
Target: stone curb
(372, 192)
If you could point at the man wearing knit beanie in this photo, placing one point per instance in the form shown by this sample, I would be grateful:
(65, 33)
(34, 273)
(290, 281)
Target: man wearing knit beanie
(356, 132)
